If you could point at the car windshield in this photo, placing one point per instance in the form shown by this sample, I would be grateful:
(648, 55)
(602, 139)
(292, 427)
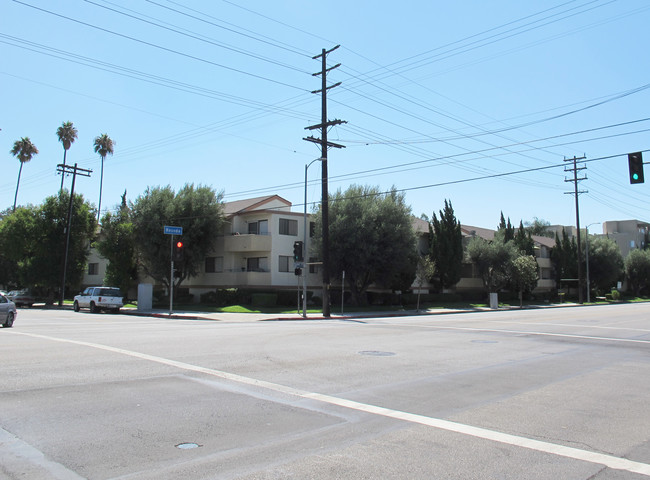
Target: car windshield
(110, 292)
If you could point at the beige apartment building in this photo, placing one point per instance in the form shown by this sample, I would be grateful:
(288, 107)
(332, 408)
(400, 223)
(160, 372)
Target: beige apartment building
(255, 250)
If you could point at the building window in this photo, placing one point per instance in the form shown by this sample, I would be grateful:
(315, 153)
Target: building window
(213, 264)
(284, 263)
(257, 264)
(260, 227)
(93, 269)
(209, 265)
(288, 227)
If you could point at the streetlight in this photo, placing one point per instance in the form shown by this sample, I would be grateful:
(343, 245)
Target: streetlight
(304, 244)
(587, 257)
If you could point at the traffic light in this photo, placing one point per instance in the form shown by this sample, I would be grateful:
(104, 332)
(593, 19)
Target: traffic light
(297, 271)
(179, 252)
(297, 251)
(635, 162)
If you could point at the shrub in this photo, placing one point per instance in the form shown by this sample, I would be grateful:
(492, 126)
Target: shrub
(264, 299)
(221, 298)
(616, 295)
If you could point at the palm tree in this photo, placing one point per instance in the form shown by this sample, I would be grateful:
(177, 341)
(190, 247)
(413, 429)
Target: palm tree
(23, 150)
(67, 135)
(103, 146)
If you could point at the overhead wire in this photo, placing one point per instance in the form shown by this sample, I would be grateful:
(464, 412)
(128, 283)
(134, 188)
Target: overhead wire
(199, 38)
(228, 2)
(237, 29)
(160, 47)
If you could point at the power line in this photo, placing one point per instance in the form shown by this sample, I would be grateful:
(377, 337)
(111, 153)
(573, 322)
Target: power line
(199, 38)
(253, 35)
(160, 47)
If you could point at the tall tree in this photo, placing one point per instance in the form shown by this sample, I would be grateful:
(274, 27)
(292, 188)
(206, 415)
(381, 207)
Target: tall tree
(371, 239)
(493, 260)
(637, 270)
(565, 257)
(24, 150)
(67, 134)
(605, 263)
(426, 268)
(506, 229)
(117, 245)
(103, 146)
(31, 237)
(198, 210)
(524, 274)
(539, 227)
(446, 246)
(524, 241)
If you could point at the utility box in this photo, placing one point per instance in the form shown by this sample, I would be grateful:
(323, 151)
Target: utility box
(145, 297)
(494, 301)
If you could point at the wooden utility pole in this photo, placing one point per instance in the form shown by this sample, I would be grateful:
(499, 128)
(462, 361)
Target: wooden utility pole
(63, 169)
(575, 192)
(324, 144)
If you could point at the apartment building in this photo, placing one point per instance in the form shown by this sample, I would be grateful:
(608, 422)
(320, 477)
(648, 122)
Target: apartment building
(628, 234)
(255, 250)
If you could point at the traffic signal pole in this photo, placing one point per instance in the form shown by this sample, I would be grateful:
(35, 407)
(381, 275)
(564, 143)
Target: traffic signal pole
(171, 274)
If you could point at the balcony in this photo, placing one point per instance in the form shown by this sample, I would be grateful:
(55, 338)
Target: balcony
(242, 278)
(247, 243)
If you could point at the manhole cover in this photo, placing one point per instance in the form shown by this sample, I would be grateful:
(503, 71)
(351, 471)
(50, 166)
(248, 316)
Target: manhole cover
(187, 446)
(376, 353)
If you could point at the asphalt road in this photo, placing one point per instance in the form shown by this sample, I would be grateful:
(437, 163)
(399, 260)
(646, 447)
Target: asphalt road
(533, 394)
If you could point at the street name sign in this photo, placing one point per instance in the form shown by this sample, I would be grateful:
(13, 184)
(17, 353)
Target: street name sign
(173, 230)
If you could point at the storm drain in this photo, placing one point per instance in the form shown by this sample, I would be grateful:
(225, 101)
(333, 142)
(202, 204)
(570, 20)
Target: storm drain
(376, 353)
(187, 446)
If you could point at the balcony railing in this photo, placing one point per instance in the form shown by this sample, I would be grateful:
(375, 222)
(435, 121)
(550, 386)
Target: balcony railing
(247, 243)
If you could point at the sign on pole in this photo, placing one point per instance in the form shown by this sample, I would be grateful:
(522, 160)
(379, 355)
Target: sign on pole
(173, 230)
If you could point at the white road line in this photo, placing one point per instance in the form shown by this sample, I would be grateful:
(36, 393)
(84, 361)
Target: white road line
(477, 432)
(595, 327)
(521, 332)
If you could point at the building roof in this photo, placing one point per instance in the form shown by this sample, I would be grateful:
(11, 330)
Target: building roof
(250, 204)
(484, 233)
(419, 225)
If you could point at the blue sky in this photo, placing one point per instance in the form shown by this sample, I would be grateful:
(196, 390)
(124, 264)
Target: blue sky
(441, 100)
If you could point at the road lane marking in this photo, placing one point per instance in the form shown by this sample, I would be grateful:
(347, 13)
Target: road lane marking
(15, 453)
(519, 332)
(610, 461)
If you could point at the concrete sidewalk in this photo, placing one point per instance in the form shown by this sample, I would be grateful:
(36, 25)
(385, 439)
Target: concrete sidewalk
(260, 317)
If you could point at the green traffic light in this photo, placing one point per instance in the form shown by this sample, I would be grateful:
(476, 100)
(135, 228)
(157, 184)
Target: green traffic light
(635, 176)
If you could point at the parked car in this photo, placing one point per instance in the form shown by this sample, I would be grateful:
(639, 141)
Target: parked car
(99, 298)
(22, 297)
(8, 312)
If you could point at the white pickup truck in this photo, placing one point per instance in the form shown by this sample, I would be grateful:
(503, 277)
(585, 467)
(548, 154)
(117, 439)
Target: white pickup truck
(99, 298)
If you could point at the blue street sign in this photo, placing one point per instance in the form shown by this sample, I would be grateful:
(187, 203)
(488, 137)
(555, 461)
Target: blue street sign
(173, 230)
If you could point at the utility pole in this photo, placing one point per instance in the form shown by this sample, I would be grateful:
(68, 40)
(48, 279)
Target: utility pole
(63, 169)
(575, 192)
(323, 126)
